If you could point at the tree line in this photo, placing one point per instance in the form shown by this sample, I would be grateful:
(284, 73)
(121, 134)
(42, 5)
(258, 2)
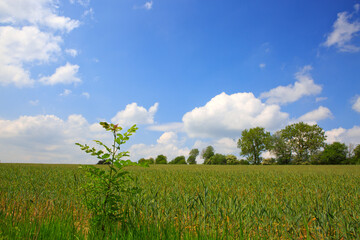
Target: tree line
(297, 143)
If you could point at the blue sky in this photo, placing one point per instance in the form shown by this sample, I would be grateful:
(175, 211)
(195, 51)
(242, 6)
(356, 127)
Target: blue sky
(189, 73)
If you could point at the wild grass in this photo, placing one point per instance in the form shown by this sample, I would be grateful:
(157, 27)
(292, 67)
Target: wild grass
(188, 202)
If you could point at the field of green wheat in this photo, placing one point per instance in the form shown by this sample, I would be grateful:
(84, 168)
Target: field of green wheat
(187, 202)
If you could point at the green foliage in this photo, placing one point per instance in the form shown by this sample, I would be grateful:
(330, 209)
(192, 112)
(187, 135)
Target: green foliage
(302, 140)
(232, 160)
(161, 159)
(178, 160)
(148, 161)
(207, 153)
(253, 142)
(334, 153)
(192, 156)
(108, 191)
(280, 149)
(217, 159)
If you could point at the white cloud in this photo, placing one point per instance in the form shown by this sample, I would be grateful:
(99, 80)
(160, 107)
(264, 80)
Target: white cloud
(63, 75)
(344, 135)
(304, 86)
(228, 115)
(356, 105)
(71, 52)
(65, 93)
(24, 45)
(134, 114)
(262, 65)
(343, 32)
(316, 115)
(35, 12)
(148, 5)
(86, 94)
(84, 3)
(47, 139)
(174, 126)
(168, 145)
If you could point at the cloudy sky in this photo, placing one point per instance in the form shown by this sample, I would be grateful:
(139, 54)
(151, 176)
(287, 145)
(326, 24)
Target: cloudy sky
(189, 73)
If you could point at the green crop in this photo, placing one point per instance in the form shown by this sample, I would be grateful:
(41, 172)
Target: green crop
(187, 202)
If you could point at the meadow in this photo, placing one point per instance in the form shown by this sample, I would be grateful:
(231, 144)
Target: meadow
(187, 202)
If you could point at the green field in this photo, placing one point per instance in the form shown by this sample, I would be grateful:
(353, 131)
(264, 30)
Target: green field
(188, 202)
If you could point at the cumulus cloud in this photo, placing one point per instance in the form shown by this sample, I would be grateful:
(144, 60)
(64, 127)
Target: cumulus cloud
(356, 105)
(304, 86)
(344, 30)
(262, 65)
(347, 136)
(316, 115)
(168, 144)
(134, 114)
(63, 75)
(24, 45)
(47, 139)
(228, 115)
(35, 12)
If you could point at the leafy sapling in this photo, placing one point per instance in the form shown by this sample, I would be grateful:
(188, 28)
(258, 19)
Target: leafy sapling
(110, 189)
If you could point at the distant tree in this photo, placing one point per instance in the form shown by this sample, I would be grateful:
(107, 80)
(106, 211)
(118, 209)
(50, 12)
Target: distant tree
(243, 162)
(192, 156)
(334, 153)
(217, 159)
(178, 160)
(101, 162)
(146, 161)
(303, 140)
(268, 161)
(207, 153)
(280, 149)
(232, 160)
(253, 142)
(161, 159)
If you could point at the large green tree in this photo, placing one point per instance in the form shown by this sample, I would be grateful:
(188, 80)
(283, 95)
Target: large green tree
(192, 156)
(302, 140)
(334, 153)
(280, 149)
(253, 142)
(217, 159)
(207, 153)
(161, 159)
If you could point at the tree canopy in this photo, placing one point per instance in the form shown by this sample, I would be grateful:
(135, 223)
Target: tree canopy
(253, 142)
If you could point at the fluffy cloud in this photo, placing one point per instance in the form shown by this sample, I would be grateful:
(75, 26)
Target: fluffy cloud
(356, 105)
(63, 75)
(24, 45)
(168, 145)
(344, 135)
(228, 115)
(65, 93)
(134, 114)
(47, 139)
(30, 32)
(304, 86)
(343, 32)
(316, 115)
(35, 12)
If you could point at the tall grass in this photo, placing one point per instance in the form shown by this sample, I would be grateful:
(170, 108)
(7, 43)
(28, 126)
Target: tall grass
(188, 202)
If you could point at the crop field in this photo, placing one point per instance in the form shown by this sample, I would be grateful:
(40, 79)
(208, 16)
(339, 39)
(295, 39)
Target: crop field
(187, 202)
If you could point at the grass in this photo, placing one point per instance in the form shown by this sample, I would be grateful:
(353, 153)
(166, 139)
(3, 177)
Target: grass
(188, 202)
